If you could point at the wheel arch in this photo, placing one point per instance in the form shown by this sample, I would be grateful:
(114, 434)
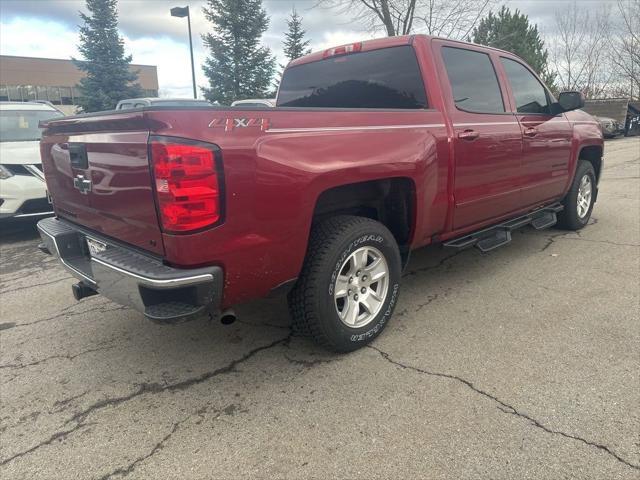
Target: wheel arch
(593, 155)
(391, 201)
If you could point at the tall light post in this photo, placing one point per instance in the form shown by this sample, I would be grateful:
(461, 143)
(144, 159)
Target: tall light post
(182, 12)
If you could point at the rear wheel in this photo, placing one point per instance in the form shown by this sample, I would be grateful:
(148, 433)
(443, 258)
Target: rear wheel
(349, 283)
(579, 201)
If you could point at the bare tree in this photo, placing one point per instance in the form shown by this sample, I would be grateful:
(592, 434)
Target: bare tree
(445, 18)
(580, 50)
(453, 18)
(625, 44)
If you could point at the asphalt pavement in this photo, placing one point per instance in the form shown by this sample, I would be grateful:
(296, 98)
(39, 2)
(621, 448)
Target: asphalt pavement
(522, 363)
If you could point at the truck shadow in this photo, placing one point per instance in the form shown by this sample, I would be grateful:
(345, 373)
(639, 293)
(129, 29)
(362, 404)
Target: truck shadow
(18, 230)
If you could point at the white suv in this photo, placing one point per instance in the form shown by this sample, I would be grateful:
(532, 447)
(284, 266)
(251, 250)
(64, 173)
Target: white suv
(22, 187)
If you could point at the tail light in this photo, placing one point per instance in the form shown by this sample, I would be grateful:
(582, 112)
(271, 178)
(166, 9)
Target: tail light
(188, 181)
(342, 50)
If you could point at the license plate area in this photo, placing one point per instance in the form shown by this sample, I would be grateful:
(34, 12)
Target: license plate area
(95, 246)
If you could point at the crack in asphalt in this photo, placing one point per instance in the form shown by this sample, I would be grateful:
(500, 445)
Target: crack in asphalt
(264, 324)
(200, 413)
(124, 471)
(441, 263)
(551, 239)
(309, 363)
(505, 407)
(430, 299)
(96, 309)
(607, 242)
(60, 405)
(33, 285)
(60, 435)
(144, 388)
(54, 357)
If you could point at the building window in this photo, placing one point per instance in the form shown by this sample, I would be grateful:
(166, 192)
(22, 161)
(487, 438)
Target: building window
(54, 95)
(29, 93)
(41, 93)
(76, 94)
(15, 93)
(65, 96)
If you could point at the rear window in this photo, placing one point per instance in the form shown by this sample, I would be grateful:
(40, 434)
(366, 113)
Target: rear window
(386, 78)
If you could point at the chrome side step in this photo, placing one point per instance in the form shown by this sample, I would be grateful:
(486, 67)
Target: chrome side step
(498, 235)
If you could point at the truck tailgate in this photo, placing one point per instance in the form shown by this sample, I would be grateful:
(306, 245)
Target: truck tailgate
(98, 174)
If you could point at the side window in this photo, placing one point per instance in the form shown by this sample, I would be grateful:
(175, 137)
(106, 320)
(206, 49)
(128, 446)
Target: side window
(473, 80)
(530, 95)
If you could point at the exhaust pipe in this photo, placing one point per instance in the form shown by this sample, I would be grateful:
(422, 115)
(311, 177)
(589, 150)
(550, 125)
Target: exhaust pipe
(80, 291)
(228, 317)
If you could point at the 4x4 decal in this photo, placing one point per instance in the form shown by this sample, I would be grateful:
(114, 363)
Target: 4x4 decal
(229, 124)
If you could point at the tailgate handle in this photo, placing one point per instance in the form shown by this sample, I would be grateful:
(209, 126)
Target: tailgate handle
(78, 155)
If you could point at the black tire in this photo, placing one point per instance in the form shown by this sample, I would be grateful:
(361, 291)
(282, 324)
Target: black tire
(311, 301)
(569, 217)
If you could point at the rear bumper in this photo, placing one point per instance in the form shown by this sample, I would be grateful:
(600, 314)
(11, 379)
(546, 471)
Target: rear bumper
(131, 278)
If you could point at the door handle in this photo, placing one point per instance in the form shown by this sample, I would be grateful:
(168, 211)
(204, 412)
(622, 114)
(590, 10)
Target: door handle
(530, 131)
(468, 135)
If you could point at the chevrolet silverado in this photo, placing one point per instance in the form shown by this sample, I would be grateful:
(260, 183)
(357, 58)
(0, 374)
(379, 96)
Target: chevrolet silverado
(373, 149)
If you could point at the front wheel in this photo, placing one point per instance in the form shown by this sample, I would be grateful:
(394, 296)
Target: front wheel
(579, 201)
(349, 283)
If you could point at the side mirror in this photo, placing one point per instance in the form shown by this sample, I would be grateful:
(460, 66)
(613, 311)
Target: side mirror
(571, 100)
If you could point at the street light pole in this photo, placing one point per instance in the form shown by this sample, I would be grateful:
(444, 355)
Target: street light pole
(182, 12)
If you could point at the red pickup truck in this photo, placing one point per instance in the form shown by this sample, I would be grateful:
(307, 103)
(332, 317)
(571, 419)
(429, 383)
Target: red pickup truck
(374, 149)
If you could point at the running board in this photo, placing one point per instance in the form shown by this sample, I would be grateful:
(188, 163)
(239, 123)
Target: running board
(498, 235)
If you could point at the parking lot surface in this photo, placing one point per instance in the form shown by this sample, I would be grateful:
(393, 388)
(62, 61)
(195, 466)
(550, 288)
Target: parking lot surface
(521, 363)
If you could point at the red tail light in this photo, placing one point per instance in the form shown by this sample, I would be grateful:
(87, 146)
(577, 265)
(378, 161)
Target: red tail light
(342, 50)
(187, 184)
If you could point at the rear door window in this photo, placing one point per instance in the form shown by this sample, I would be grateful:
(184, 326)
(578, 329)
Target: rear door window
(530, 95)
(385, 78)
(473, 80)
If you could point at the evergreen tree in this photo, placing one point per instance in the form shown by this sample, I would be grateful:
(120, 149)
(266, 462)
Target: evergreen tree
(238, 67)
(295, 45)
(513, 32)
(108, 78)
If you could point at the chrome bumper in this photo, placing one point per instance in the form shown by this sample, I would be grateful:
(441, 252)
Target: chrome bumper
(131, 278)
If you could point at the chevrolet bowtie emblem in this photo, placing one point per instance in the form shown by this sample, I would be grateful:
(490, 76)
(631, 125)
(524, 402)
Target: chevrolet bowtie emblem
(82, 184)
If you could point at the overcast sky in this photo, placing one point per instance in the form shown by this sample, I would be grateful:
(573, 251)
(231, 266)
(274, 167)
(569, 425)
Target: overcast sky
(48, 28)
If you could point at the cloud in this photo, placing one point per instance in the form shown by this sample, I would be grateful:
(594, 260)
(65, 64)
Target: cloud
(37, 38)
(48, 28)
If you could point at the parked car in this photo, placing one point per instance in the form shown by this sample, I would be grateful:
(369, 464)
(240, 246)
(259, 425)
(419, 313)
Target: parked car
(161, 102)
(22, 186)
(610, 127)
(374, 149)
(255, 102)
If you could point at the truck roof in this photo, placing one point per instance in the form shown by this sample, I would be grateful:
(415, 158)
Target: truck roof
(386, 42)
